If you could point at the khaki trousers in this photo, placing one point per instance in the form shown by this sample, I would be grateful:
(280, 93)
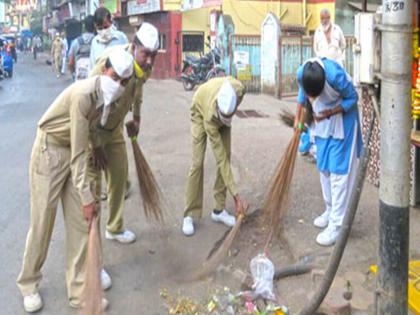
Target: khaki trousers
(50, 181)
(58, 61)
(116, 174)
(195, 181)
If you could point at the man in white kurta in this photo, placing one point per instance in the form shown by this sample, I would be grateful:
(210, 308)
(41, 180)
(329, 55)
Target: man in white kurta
(333, 98)
(329, 40)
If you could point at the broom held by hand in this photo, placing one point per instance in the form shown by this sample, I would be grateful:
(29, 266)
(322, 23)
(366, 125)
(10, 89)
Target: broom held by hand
(89, 212)
(238, 204)
(299, 115)
(99, 160)
(133, 127)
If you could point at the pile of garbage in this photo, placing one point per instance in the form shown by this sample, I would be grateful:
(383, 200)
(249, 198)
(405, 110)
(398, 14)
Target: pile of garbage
(222, 302)
(258, 300)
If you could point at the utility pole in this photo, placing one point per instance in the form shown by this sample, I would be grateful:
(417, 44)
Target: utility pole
(395, 156)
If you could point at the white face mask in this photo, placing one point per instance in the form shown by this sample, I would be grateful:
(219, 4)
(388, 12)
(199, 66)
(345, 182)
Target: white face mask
(227, 121)
(105, 35)
(111, 90)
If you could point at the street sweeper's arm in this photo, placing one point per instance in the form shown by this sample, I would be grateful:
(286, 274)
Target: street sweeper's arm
(79, 144)
(221, 154)
(341, 81)
(301, 99)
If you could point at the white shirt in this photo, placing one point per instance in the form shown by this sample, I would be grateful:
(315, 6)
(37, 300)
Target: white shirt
(97, 47)
(335, 49)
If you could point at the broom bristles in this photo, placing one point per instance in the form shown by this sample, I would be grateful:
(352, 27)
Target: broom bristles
(277, 197)
(149, 189)
(92, 292)
(217, 257)
(287, 117)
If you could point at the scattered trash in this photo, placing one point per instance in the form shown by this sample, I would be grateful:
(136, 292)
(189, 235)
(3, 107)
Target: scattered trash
(262, 270)
(221, 302)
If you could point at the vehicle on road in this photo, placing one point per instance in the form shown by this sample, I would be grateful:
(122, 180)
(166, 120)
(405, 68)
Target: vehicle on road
(196, 71)
(6, 57)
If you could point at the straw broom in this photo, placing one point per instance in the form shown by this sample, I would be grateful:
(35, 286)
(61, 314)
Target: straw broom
(277, 197)
(149, 189)
(92, 292)
(217, 255)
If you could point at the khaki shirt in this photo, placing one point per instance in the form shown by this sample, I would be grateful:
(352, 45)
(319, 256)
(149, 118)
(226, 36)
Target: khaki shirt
(56, 47)
(131, 99)
(68, 122)
(205, 105)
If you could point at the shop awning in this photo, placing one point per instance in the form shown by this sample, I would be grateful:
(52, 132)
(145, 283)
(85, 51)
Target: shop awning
(371, 7)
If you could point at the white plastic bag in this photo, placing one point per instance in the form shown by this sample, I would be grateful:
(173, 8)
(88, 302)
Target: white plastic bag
(262, 270)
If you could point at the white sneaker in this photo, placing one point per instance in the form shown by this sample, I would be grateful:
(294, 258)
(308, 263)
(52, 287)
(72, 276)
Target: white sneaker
(104, 304)
(188, 226)
(106, 281)
(224, 217)
(322, 221)
(328, 236)
(124, 237)
(32, 303)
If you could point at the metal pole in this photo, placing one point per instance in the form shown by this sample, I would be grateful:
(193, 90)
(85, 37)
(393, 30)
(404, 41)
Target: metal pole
(395, 157)
(364, 5)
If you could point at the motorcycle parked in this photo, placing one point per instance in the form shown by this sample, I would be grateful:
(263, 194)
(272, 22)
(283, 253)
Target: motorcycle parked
(196, 71)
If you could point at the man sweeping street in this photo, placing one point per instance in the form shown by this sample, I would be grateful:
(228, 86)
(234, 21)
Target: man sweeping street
(60, 169)
(212, 110)
(333, 98)
(110, 153)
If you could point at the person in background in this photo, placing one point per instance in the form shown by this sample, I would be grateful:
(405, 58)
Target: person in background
(64, 50)
(13, 51)
(329, 40)
(36, 45)
(331, 94)
(107, 35)
(212, 110)
(56, 53)
(79, 62)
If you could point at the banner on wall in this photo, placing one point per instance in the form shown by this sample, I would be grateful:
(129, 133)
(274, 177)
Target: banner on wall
(112, 5)
(197, 4)
(135, 7)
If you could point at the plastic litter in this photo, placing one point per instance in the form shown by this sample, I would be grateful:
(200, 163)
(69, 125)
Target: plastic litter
(262, 271)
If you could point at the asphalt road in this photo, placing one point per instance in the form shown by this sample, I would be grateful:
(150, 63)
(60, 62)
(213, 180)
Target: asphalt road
(141, 270)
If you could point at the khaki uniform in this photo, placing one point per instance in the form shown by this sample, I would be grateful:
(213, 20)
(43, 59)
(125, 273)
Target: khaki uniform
(206, 124)
(111, 138)
(56, 53)
(59, 170)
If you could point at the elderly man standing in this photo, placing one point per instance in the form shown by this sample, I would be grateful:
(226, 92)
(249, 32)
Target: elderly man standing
(329, 40)
(60, 169)
(110, 152)
(213, 107)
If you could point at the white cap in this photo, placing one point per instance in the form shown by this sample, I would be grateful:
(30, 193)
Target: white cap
(226, 99)
(148, 36)
(122, 62)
